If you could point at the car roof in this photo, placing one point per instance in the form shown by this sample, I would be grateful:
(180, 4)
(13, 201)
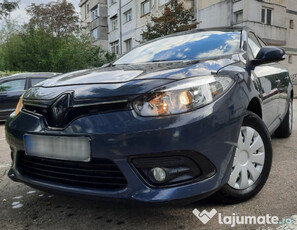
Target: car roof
(44, 75)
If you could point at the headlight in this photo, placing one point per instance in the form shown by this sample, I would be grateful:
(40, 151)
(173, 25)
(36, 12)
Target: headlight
(19, 106)
(182, 96)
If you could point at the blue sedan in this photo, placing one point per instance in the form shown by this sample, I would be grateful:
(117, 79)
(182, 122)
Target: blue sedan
(178, 118)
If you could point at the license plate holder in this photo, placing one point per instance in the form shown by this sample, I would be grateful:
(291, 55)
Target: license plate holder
(58, 147)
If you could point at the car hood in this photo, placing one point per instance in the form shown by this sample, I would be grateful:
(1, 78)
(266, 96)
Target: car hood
(123, 80)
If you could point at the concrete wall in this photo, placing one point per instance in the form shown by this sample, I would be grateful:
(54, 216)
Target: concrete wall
(291, 46)
(216, 15)
(135, 28)
(87, 24)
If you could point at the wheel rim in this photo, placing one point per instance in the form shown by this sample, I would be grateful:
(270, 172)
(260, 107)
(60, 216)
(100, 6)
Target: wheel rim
(290, 116)
(248, 160)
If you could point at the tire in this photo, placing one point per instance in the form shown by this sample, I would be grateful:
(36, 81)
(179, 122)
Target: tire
(244, 182)
(285, 128)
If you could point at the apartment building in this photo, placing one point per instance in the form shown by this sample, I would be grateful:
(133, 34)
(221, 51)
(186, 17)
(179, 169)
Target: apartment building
(117, 25)
(127, 20)
(274, 20)
(94, 21)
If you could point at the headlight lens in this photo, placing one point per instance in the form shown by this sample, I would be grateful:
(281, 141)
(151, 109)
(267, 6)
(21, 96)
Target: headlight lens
(19, 106)
(182, 96)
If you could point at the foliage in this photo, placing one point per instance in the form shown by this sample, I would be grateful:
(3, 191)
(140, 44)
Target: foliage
(6, 7)
(58, 18)
(36, 50)
(175, 19)
(49, 43)
(8, 27)
(7, 73)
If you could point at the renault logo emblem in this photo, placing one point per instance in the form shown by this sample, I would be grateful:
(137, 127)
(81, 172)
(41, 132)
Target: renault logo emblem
(60, 109)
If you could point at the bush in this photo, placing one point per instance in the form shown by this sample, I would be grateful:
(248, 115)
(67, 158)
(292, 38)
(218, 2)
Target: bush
(38, 51)
(7, 73)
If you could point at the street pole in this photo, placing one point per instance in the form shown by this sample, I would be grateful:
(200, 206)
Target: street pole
(120, 21)
(197, 13)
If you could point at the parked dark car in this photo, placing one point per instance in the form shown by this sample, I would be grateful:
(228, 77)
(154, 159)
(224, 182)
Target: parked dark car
(12, 88)
(180, 117)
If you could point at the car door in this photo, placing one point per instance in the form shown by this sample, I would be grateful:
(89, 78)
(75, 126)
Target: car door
(283, 82)
(10, 92)
(267, 78)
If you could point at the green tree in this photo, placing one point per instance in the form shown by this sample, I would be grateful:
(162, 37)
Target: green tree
(6, 7)
(175, 19)
(58, 18)
(36, 50)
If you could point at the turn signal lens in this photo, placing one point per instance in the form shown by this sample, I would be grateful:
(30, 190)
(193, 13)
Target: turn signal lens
(19, 106)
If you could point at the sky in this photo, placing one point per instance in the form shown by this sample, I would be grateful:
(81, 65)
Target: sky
(20, 14)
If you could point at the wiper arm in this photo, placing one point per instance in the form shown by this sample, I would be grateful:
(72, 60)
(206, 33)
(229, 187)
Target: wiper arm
(195, 61)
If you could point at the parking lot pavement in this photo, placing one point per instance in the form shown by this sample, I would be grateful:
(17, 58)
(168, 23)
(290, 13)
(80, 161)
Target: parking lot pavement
(22, 207)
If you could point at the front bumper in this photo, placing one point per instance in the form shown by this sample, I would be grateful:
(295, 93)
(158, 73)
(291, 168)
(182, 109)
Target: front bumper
(211, 131)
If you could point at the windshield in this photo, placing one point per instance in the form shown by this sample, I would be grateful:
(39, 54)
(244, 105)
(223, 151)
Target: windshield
(186, 47)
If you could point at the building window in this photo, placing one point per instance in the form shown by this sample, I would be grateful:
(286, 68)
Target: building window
(94, 13)
(113, 2)
(162, 2)
(266, 16)
(291, 24)
(145, 7)
(128, 44)
(114, 22)
(290, 59)
(95, 34)
(238, 17)
(114, 47)
(128, 16)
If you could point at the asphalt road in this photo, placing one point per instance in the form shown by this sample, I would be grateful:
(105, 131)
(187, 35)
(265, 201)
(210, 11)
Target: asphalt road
(22, 207)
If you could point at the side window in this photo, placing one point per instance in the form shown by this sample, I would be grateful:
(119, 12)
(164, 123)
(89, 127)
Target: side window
(35, 81)
(14, 85)
(254, 44)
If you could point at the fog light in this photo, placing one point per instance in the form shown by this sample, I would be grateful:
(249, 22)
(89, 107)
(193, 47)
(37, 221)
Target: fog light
(159, 174)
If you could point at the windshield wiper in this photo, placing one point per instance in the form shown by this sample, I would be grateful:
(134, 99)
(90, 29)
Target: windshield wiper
(194, 61)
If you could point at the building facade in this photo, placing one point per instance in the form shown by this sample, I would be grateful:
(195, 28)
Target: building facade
(127, 20)
(273, 20)
(117, 25)
(94, 21)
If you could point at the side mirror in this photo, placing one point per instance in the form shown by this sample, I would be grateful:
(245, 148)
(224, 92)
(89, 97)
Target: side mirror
(269, 54)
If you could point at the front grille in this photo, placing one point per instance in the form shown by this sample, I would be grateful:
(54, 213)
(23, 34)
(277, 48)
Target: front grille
(98, 174)
(75, 112)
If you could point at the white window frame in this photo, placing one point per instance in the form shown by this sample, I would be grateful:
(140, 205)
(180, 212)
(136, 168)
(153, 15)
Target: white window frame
(114, 23)
(143, 13)
(95, 36)
(236, 14)
(114, 47)
(128, 44)
(265, 20)
(128, 16)
(94, 13)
